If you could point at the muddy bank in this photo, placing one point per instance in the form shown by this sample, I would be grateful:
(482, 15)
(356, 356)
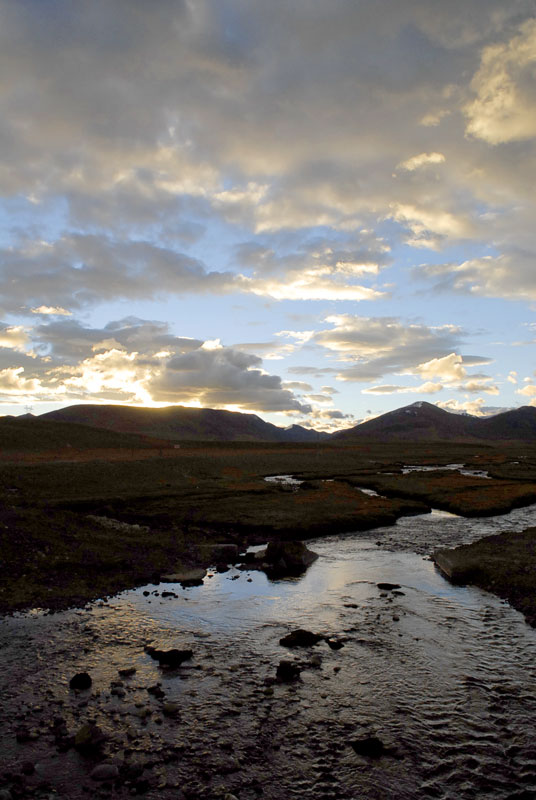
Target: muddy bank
(504, 564)
(452, 491)
(55, 558)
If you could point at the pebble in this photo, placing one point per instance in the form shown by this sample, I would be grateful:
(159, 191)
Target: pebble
(105, 772)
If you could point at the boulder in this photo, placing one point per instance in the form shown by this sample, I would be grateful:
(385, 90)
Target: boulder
(287, 558)
(171, 658)
(300, 638)
(287, 671)
(186, 577)
(80, 681)
(369, 746)
(388, 587)
(89, 738)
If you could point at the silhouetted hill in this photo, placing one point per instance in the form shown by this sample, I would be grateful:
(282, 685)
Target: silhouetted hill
(425, 422)
(519, 423)
(29, 433)
(178, 423)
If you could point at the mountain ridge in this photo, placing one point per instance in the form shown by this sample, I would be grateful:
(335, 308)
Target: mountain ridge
(420, 421)
(180, 423)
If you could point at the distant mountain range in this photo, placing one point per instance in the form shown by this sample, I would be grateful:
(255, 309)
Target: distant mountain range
(417, 422)
(179, 423)
(425, 422)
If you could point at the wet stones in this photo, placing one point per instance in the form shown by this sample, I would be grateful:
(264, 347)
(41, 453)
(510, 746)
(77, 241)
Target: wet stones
(388, 587)
(287, 558)
(189, 577)
(369, 746)
(89, 739)
(287, 671)
(105, 772)
(80, 681)
(127, 672)
(334, 644)
(301, 638)
(170, 659)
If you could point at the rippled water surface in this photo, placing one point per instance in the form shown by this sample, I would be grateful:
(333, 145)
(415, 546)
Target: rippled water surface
(445, 676)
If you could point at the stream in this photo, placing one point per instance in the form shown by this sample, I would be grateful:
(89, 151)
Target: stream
(445, 676)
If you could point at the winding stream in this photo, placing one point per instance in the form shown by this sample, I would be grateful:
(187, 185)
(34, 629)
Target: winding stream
(445, 676)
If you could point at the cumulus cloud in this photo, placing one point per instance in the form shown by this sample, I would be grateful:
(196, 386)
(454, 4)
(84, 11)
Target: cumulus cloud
(13, 337)
(449, 368)
(140, 361)
(504, 108)
(377, 346)
(222, 377)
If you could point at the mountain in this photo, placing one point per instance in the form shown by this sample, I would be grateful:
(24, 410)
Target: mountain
(518, 423)
(425, 422)
(179, 423)
(32, 434)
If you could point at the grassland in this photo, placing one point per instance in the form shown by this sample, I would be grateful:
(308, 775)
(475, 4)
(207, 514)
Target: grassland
(54, 556)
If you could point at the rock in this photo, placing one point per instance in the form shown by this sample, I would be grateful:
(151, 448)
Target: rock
(335, 644)
(5, 794)
(287, 558)
(170, 709)
(105, 772)
(89, 738)
(287, 671)
(388, 587)
(169, 658)
(300, 638)
(156, 690)
(370, 746)
(188, 577)
(23, 734)
(315, 661)
(80, 681)
(27, 768)
(127, 672)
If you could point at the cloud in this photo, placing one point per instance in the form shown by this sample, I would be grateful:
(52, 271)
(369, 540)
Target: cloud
(14, 337)
(479, 385)
(510, 275)
(422, 160)
(527, 391)
(78, 270)
(504, 109)
(377, 346)
(426, 388)
(14, 385)
(55, 311)
(140, 361)
(449, 368)
(475, 407)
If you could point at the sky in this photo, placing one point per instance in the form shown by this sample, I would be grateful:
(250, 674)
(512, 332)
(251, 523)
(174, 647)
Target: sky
(316, 211)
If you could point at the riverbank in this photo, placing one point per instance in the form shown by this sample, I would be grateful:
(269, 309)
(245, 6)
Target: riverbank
(159, 514)
(504, 564)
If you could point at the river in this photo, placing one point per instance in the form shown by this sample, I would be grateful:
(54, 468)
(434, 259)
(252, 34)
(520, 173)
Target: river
(445, 676)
